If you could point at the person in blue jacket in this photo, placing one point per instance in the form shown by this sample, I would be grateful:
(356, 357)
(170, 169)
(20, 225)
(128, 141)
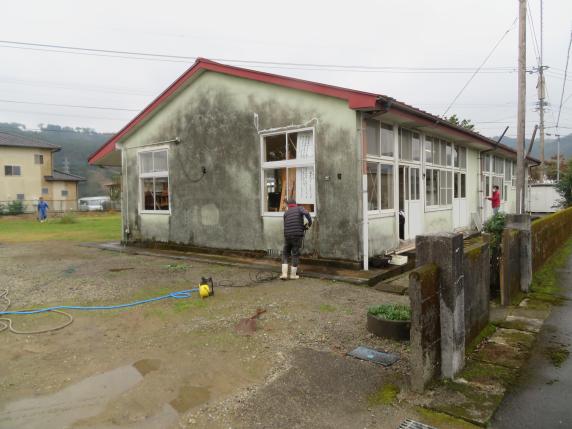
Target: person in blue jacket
(42, 210)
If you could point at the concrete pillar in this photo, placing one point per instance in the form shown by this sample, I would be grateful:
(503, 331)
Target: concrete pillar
(425, 358)
(522, 223)
(446, 251)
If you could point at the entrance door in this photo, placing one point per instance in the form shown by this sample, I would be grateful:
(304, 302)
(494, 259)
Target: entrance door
(460, 215)
(410, 202)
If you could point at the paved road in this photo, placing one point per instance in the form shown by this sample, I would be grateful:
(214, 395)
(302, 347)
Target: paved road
(544, 397)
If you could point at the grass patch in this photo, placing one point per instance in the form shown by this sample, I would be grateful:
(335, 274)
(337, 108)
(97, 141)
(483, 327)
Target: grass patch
(386, 395)
(327, 308)
(557, 355)
(391, 311)
(84, 228)
(487, 331)
(68, 218)
(189, 303)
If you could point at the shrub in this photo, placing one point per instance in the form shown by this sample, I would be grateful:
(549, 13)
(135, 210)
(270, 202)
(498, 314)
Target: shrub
(68, 218)
(14, 208)
(495, 226)
(391, 311)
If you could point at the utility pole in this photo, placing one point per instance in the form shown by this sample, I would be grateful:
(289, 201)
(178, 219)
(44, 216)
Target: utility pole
(520, 122)
(541, 94)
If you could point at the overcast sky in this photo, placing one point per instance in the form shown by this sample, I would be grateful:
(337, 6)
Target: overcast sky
(411, 35)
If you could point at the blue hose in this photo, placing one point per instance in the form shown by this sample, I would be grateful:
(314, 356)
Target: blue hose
(176, 295)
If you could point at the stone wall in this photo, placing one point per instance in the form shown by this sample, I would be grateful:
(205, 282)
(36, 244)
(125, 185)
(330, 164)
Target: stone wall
(476, 269)
(548, 234)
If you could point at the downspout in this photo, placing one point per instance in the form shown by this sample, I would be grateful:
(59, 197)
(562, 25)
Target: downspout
(365, 217)
(125, 216)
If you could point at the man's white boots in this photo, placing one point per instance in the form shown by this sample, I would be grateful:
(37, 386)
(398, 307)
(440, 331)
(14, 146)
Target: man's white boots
(284, 275)
(293, 275)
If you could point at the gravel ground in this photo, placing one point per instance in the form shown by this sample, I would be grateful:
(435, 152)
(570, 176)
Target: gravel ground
(292, 372)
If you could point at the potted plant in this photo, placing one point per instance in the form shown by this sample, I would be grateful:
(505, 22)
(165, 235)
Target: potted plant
(389, 321)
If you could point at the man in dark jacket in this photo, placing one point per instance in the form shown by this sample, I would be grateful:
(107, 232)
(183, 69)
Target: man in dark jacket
(293, 235)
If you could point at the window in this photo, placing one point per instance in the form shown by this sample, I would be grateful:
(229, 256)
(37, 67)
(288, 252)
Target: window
(487, 163)
(64, 192)
(154, 180)
(508, 170)
(12, 170)
(409, 145)
(38, 159)
(288, 169)
(45, 191)
(386, 187)
(460, 186)
(20, 197)
(439, 188)
(462, 157)
(429, 150)
(379, 138)
(372, 186)
(498, 165)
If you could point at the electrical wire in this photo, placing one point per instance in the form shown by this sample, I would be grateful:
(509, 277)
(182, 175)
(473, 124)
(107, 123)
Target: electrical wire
(68, 105)
(480, 67)
(564, 82)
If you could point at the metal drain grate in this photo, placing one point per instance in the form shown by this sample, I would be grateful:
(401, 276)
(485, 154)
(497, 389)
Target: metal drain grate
(412, 424)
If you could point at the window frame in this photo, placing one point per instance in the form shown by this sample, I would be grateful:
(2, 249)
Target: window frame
(38, 159)
(66, 194)
(440, 147)
(286, 163)
(158, 174)
(12, 170)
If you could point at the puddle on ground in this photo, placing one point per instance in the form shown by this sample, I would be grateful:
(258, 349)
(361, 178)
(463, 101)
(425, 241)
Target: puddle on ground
(190, 397)
(88, 398)
(145, 366)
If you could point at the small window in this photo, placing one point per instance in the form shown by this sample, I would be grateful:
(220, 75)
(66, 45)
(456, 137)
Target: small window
(45, 191)
(38, 159)
(372, 189)
(463, 186)
(20, 197)
(386, 179)
(405, 144)
(462, 157)
(455, 156)
(508, 170)
(373, 137)
(386, 140)
(12, 170)
(154, 180)
(429, 150)
(449, 153)
(64, 192)
(487, 163)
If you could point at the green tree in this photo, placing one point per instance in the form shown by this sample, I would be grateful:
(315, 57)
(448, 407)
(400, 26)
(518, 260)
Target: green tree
(564, 187)
(464, 123)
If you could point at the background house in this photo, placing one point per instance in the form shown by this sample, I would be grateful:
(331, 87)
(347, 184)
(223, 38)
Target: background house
(27, 173)
(210, 162)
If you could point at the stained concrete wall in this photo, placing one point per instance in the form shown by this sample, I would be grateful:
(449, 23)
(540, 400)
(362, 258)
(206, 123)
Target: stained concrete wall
(548, 234)
(213, 117)
(476, 270)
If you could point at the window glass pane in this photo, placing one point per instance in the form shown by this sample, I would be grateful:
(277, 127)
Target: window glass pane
(372, 183)
(487, 164)
(443, 147)
(462, 157)
(487, 185)
(443, 187)
(456, 185)
(386, 176)
(405, 144)
(428, 149)
(160, 161)
(463, 186)
(275, 181)
(148, 196)
(507, 170)
(301, 146)
(162, 193)
(436, 151)
(414, 183)
(449, 187)
(386, 140)
(429, 187)
(416, 147)
(372, 137)
(275, 147)
(436, 187)
(16, 170)
(45, 191)
(449, 155)
(146, 162)
(455, 156)
(505, 193)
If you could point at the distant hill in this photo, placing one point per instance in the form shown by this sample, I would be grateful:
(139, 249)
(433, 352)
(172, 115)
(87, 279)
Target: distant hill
(550, 146)
(77, 144)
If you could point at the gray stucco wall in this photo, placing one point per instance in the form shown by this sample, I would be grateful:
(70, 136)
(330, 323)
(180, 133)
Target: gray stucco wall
(213, 117)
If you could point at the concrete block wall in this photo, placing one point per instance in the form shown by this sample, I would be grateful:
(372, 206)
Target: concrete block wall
(548, 234)
(510, 266)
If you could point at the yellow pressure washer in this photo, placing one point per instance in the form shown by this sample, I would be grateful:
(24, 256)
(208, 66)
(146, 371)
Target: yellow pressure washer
(206, 287)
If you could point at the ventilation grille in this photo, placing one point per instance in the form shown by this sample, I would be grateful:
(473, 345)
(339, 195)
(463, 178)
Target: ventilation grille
(412, 424)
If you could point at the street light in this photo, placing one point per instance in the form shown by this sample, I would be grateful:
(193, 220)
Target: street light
(557, 156)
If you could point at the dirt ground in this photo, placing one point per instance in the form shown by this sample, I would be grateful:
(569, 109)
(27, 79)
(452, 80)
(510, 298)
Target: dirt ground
(180, 363)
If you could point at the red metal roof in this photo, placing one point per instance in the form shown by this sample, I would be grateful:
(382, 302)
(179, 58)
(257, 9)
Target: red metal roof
(356, 100)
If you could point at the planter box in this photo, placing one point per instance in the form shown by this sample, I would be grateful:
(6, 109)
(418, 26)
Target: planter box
(395, 329)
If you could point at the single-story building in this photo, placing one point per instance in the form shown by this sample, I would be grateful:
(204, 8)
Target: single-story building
(210, 162)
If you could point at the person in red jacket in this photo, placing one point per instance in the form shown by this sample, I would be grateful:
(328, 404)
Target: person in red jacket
(495, 200)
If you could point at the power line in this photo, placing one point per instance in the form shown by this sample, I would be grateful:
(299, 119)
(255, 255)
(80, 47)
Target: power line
(564, 81)
(180, 58)
(480, 67)
(69, 105)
